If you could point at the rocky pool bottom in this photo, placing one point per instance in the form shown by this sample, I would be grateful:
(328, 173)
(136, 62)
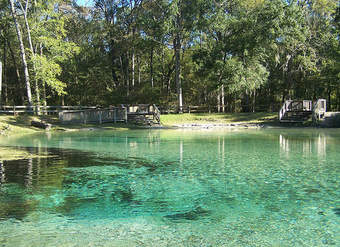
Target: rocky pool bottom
(172, 188)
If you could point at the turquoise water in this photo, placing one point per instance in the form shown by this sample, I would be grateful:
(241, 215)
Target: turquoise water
(275, 187)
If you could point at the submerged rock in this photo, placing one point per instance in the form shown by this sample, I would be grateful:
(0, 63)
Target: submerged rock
(337, 211)
(194, 214)
(312, 190)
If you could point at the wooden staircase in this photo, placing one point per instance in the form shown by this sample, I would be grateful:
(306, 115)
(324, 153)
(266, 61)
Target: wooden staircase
(143, 114)
(297, 111)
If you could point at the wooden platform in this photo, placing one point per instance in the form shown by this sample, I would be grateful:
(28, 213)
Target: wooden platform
(295, 111)
(144, 114)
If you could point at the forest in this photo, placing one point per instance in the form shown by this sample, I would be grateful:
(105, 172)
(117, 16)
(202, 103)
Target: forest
(231, 55)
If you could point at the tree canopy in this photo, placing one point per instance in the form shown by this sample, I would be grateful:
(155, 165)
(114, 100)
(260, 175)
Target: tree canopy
(248, 55)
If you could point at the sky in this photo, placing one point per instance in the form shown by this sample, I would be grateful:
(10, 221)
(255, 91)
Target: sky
(87, 3)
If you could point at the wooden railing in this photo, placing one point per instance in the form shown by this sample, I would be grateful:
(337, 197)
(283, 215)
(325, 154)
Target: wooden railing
(113, 114)
(145, 111)
(156, 114)
(295, 106)
(284, 109)
(319, 109)
(41, 109)
(140, 108)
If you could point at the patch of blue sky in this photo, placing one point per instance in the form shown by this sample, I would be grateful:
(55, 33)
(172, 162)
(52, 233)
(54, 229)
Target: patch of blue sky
(87, 3)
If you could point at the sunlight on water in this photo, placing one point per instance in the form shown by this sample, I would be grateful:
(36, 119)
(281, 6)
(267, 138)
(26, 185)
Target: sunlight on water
(173, 188)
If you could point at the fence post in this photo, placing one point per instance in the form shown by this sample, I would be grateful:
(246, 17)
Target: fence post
(82, 116)
(61, 116)
(14, 110)
(125, 115)
(100, 116)
(115, 115)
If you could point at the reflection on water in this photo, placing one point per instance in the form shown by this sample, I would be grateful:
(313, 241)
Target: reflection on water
(271, 187)
(2, 172)
(307, 145)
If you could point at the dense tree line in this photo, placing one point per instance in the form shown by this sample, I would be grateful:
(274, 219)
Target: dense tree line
(240, 55)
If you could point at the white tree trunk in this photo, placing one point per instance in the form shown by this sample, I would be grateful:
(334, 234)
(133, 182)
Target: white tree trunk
(37, 91)
(151, 67)
(222, 98)
(178, 66)
(138, 68)
(22, 53)
(133, 60)
(133, 69)
(218, 100)
(43, 83)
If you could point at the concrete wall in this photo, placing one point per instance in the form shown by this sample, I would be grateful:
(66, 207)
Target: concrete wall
(331, 120)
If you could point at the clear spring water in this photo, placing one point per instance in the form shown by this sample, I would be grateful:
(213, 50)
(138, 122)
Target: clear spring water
(173, 188)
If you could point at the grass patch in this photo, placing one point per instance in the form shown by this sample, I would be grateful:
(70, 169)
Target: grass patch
(21, 124)
(16, 124)
(218, 118)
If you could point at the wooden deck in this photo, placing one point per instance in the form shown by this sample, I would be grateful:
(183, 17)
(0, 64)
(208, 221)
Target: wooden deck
(41, 109)
(294, 111)
(145, 114)
(108, 115)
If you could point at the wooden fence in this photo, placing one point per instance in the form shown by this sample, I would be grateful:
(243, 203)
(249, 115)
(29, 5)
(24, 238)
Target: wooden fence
(188, 109)
(113, 114)
(41, 109)
(73, 114)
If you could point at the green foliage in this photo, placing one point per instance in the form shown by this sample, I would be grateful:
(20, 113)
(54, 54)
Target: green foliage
(48, 71)
(122, 51)
(241, 77)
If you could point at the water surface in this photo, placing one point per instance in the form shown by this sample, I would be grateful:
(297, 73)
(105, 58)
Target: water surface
(173, 188)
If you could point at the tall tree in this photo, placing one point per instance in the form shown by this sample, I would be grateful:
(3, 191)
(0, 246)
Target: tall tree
(22, 52)
(24, 10)
(177, 50)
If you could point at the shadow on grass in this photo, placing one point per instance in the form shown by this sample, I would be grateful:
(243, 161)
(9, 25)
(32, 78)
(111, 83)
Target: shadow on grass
(25, 120)
(237, 117)
(251, 117)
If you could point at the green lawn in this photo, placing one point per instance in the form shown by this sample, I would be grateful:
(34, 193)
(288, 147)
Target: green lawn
(21, 124)
(16, 124)
(218, 118)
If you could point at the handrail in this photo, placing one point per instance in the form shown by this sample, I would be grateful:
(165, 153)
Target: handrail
(295, 106)
(319, 109)
(284, 109)
(148, 111)
(157, 113)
